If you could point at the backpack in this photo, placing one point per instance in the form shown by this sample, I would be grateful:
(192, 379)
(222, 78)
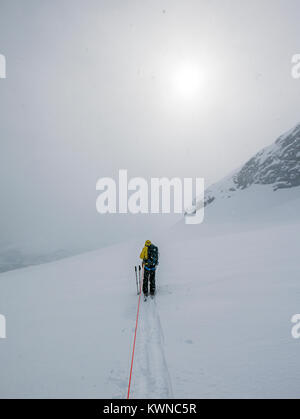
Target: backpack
(153, 255)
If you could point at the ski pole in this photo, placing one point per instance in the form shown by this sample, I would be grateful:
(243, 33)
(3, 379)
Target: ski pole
(137, 286)
(140, 275)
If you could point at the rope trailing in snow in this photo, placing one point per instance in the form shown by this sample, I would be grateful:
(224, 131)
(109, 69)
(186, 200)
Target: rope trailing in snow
(136, 326)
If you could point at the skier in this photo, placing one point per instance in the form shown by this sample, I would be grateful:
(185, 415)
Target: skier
(149, 255)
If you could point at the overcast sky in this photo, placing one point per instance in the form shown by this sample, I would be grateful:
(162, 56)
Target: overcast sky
(91, 89)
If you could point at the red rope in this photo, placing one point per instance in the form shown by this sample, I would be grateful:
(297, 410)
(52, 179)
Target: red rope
(136, 326)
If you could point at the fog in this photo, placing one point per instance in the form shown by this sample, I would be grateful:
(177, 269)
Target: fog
(88, 92)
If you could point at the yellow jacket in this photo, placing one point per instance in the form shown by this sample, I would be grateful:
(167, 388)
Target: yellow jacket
(144, 252)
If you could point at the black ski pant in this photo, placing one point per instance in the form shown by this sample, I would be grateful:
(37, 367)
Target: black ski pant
(149, 276)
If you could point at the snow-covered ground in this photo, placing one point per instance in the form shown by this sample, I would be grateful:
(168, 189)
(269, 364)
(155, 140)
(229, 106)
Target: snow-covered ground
(220, 324)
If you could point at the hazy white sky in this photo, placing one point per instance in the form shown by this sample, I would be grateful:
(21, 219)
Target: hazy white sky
(91, 89)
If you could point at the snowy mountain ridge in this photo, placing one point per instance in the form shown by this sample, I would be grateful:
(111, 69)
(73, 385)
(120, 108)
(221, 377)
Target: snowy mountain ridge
(277, 165)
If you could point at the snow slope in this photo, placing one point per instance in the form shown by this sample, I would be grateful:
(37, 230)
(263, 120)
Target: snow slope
(231, 301)
(219, 326)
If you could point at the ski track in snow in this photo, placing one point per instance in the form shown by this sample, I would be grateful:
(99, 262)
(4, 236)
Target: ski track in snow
(150, 372)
